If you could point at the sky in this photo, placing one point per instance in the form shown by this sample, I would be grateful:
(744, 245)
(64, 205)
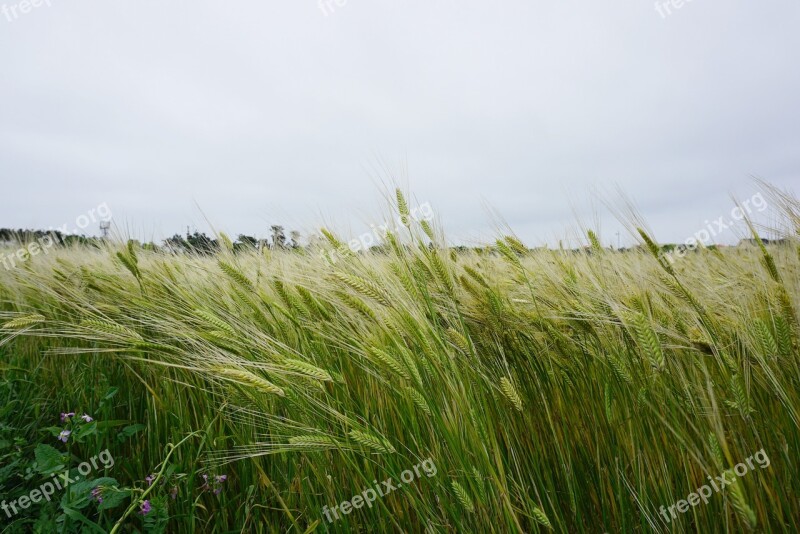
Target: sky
(241, 115)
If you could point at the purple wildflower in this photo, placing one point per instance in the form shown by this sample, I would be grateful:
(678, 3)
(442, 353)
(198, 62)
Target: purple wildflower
(67, 415)
(205, 485)
(149, 479)
(64, 435)
(145, 508)
(97, 493)
(87, 418)
(221, 478)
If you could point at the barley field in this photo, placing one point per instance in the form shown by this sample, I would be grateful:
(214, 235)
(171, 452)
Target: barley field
(524, 390)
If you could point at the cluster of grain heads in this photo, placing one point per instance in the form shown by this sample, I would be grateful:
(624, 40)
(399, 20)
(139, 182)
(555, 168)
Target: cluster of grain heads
(578, 383)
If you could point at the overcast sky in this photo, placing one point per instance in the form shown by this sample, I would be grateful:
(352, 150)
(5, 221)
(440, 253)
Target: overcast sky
(256, 113)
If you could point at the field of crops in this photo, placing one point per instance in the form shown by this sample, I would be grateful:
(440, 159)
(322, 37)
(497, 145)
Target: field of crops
(420, 389)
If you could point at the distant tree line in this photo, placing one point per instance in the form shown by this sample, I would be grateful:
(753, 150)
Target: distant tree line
(197, 242)
(200, 243)
(22, 236)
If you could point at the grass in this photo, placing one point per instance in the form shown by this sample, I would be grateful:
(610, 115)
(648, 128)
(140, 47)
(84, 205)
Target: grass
(573, 391)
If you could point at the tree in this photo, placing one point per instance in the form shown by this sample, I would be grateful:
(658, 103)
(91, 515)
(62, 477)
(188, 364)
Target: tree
(176, 243)
(278, 236)
(200, 243)
(295, 235)
(245, 241)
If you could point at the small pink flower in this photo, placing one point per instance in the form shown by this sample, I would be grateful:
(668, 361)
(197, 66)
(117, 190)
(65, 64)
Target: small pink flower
(64, 435)
(149, 479)
(67, 415)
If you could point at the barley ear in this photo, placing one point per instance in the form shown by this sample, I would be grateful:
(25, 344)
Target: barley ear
(307, 369)
(463, 496)
(511, 393)
(541, 517)
(594, 241)
(236, 275)
(371, 442)
(716, 450)
(23, 322)
(402, 207)
(743, 510)
(312, 442)
(419, 400)
(246, 378)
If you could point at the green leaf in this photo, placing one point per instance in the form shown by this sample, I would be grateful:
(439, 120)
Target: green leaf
(77, 516)
(84, 431)
(48, 459)
(103, 425)
(78, 495)
(113, 497)
(129, 431)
